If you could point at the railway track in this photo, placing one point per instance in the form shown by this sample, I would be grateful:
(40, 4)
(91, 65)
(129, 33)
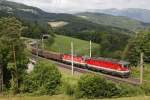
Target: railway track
(130, 80)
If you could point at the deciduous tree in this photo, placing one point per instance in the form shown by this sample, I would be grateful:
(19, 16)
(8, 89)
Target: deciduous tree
(12, 52)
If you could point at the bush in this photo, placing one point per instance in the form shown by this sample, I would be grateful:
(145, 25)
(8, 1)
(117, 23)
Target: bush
(91, 86)
(130, 90)
(44, 79)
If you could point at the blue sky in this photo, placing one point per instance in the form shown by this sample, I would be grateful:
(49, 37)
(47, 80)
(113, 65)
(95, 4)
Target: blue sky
(84, 5)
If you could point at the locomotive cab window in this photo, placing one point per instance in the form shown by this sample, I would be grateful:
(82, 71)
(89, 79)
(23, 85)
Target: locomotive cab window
(126, 65)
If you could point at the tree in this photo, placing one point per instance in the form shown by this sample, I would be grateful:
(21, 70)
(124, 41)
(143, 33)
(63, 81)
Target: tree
(139, 43)
(12, 52)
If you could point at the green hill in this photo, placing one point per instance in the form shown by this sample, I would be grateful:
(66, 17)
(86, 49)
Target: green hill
(134, 13)
(62, 44)
(74, 24)
(117, 21)
(111, 38)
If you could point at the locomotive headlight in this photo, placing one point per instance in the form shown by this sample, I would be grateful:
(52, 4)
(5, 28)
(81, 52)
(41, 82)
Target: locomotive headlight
(119, 69)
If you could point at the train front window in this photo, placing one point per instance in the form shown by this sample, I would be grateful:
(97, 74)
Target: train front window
(126, 65)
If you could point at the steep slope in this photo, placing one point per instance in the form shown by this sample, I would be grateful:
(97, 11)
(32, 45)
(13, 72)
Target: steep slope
(118, 21)
(135, 13)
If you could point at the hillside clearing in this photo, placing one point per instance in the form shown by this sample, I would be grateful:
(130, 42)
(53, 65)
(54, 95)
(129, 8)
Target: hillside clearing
(57, 24)
(62, 44)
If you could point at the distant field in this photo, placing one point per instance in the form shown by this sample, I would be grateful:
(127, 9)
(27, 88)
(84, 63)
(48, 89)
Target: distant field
(57, 24)
(62, 44)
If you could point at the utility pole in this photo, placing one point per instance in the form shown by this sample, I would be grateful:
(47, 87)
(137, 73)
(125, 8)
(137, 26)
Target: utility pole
(72, 57)
(37, 53)
(90, 49)
(43, 42)
(141, 67)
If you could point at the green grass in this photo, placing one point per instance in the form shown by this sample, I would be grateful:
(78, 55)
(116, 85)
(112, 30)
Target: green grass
(28, 40)
(68, 77)
(136, 72)
(131, 98)
(62, 44)
(55, 97)
(65, 97)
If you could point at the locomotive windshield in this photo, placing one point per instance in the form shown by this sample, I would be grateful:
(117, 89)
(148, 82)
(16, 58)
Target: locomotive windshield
(126, 65)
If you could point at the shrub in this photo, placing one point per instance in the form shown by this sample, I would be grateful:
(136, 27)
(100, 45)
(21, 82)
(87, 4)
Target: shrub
(130, 90)
(92, 86)
(44, 79)
(111, 89)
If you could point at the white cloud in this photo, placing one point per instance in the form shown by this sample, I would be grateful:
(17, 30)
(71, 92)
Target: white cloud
(82, 5)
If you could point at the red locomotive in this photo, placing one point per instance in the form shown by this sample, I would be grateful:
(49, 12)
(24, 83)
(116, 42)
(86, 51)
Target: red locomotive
(112, 67)
(76, 60)
(108, 66)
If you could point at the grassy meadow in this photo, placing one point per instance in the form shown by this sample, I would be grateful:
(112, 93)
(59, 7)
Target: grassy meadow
(62, 44)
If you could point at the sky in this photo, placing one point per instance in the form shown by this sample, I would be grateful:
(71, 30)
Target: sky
(64, 6)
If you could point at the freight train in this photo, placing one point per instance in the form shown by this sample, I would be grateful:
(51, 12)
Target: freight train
(113, 67)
